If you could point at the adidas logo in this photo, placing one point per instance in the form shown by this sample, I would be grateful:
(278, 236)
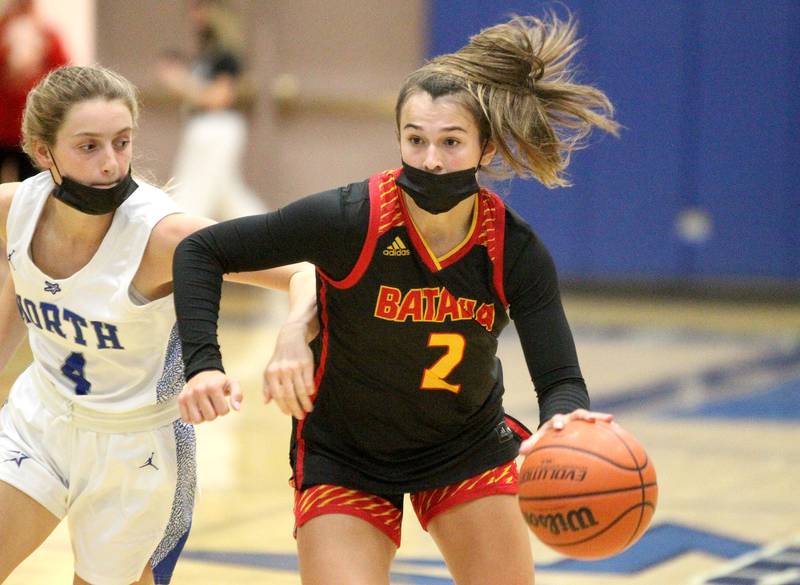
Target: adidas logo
(396, 248)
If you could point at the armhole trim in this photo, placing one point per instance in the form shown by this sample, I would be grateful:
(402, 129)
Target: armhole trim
(376, 185)
(498, 254)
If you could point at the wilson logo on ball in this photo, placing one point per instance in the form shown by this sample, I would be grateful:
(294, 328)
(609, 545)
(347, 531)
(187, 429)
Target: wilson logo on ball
(572, 521)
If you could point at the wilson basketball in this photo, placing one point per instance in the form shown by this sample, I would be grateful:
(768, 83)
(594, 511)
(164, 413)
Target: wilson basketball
(589, 490)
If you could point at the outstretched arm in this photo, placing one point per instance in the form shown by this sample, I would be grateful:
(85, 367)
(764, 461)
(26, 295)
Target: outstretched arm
(326, 229)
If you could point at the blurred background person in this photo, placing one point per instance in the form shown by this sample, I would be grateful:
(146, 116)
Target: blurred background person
(29, 48)
(210, 84)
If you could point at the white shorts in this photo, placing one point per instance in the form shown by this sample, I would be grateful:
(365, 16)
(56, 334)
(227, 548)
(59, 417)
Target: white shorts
(128, 497)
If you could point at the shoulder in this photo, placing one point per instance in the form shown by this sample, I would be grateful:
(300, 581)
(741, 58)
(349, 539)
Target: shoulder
(7, 191)
(526, 257)
(172, 229)
(155, 269)
(519, 234)
(341, 207)
(352, 193)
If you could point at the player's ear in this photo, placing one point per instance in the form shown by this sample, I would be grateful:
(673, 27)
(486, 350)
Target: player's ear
(41, 154)
(488, 153)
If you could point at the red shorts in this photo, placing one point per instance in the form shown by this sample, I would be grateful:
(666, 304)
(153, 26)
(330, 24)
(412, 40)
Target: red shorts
(386, 512)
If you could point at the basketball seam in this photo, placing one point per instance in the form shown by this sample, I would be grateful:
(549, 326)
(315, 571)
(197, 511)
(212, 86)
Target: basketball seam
(593, 454)
(581, 495)
(641, 482)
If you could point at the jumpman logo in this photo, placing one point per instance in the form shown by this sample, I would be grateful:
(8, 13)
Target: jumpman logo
(149, 462)
(18, 459)
(52, 287)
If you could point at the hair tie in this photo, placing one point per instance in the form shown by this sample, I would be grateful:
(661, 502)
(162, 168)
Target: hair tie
(537, 70)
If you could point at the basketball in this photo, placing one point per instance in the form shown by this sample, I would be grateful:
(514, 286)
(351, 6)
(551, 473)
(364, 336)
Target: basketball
(589, 490)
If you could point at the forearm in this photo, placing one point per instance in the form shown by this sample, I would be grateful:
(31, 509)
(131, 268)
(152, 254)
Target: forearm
(562, 398)
(197, 281)
(552, 360)
(303, 297)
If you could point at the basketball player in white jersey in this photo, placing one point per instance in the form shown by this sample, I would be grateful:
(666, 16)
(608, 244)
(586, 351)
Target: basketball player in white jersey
(91, 430)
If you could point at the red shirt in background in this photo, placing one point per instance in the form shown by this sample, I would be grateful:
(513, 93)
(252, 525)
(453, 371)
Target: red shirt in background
(28, 50)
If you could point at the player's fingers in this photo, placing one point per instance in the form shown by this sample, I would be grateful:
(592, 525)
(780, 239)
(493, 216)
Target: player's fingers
(193, 412)
(301, 391)
(528, 445)
(182, 406)
(282, 386)
(293, 403)
(279, 395)
(266, 392)
(271, 383)
(603, 416)
(308, 377)
(559, 420)
(236, 395)
(591, 416)
(206, 407)
(289, 394)
(217, 399)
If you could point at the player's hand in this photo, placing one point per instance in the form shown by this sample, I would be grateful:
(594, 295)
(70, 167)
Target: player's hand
(206, 396)
(558, 422)
(289, 375)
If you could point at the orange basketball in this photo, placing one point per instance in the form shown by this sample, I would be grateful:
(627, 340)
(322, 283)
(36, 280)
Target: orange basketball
(589, 490)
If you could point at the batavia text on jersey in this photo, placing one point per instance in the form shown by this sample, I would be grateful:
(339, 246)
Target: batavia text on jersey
(431, 305)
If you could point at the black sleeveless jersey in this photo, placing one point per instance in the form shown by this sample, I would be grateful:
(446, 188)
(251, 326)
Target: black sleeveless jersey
(409, 389)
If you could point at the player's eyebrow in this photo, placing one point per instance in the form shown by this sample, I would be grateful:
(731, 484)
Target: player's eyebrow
(445, 129)
(95, 134)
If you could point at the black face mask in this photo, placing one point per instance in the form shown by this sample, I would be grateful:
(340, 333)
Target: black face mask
(438, 193)
(93, 200)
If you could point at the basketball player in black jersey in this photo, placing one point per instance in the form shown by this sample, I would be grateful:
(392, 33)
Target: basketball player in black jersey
(419, 270)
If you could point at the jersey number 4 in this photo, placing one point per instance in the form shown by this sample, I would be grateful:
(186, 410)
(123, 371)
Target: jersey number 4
(73, 369)
(433, 378)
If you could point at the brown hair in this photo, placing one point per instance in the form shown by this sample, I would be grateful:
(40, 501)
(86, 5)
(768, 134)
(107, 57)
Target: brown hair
(517, 80)
(50, 100)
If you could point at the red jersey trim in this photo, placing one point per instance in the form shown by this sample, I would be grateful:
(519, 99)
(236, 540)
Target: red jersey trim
(497, 245)
(323, 360)
(517, 427)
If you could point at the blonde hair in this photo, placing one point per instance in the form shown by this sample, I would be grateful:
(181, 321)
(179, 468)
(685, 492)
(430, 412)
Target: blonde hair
(49, 102)
(518, 81)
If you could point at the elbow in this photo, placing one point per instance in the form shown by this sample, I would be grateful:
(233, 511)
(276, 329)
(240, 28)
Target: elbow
(192, 251)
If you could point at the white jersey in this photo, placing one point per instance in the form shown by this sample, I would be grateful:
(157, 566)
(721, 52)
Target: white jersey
(90, 341)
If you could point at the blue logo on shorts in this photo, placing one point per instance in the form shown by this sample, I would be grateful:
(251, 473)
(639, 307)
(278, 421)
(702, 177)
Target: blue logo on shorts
(18, 459)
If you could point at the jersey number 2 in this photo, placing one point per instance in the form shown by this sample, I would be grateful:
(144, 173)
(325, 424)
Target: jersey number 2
(433, 378)
(73, 369)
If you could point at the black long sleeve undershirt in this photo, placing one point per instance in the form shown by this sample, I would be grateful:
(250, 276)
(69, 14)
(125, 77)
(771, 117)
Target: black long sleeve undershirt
(328, 230)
